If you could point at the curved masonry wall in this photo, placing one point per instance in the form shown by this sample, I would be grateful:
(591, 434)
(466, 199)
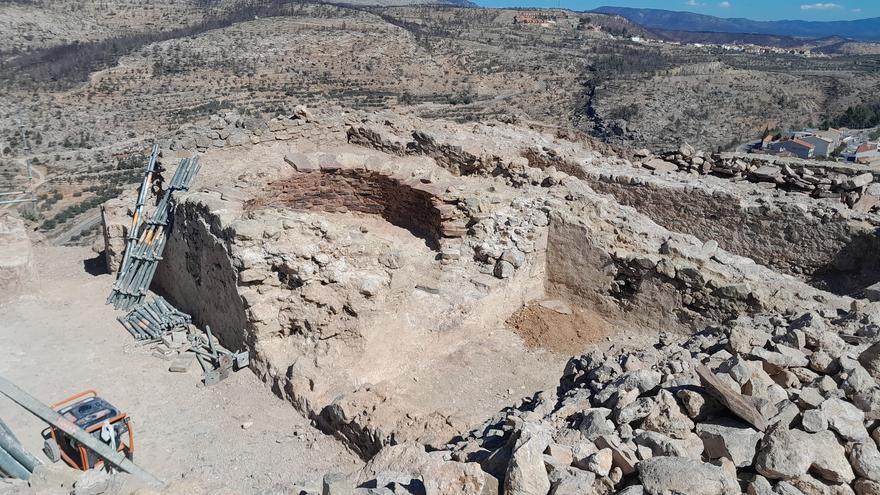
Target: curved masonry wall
(344, 190)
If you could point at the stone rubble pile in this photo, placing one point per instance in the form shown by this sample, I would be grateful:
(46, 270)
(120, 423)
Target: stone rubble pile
(765, 405)
(501, 240)
(857, 191)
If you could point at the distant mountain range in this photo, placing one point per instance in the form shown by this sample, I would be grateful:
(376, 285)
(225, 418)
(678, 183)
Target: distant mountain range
(862, 29)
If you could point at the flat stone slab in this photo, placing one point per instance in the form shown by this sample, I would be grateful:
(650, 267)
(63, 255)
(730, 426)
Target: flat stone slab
(301, 162)
(733, 400)
(660, 166)
(858, 181)
(767, 172)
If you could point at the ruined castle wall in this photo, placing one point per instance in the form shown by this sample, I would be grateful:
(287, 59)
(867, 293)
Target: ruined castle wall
(639, 274)
(16, 257)
(629, 291)
(197, 276)
(831, 250)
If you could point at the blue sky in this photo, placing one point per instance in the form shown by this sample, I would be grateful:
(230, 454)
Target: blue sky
(763, 10)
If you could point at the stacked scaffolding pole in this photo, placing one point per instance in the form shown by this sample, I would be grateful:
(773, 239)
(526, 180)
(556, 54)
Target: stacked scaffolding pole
(147, 239)
(15, 461)
(137, 217)
(152, 320)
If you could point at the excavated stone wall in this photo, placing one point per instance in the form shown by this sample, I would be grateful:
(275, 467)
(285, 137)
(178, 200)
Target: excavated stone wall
(643, 276)
(634, 288)
(451, 156)
(197, 274)
(832, 251)
(16, 260)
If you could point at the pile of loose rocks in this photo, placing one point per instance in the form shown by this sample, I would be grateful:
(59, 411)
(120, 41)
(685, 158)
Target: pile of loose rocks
(503, 239)
(857, 191)
(766, 404)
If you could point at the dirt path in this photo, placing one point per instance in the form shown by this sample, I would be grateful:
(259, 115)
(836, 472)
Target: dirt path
(58, 338)
(85, 221)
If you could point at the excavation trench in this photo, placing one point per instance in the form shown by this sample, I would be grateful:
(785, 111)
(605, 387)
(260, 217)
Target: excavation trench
(427, 356)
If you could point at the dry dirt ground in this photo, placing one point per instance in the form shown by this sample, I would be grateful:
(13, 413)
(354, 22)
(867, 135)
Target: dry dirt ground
(58, 338)
(566, 331)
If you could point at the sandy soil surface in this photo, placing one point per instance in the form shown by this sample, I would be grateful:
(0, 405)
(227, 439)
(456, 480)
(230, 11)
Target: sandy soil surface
(58, 338)
(574, 330)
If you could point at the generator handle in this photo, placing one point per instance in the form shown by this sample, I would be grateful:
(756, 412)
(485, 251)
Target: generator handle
(72, 398)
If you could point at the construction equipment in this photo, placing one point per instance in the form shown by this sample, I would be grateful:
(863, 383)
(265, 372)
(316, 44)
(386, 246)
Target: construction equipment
(146, 241)
(136, 217)
(63, 425)
(151, 320)
(96, 417)
(175, 339)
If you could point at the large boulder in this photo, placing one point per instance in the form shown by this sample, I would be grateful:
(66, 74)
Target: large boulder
(787, 454)
(526, 474)
(734, 440)
(684, 476)
(870, 359)
(439, 476)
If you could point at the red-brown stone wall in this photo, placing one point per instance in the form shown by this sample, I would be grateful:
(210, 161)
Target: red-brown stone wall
(415, 207)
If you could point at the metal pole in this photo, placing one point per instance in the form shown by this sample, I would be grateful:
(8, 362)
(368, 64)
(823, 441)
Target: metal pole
(54, 419)
(11, 467)
(5, 428)
(12, 201)
(12, 447)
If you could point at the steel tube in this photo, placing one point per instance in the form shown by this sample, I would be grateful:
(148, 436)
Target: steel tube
(11, 467)
(13, 448)
(12, 201)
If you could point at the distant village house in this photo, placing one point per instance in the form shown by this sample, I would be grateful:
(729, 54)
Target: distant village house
(824, 142)
(796, 146)
(867, 152)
